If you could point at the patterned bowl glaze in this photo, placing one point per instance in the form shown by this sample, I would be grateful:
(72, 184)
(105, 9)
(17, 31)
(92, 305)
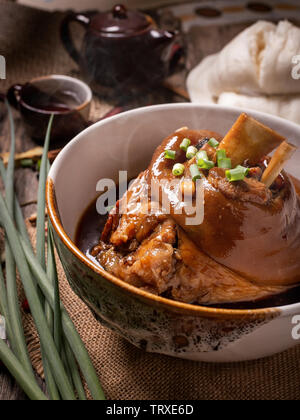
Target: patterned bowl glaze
(156, 324)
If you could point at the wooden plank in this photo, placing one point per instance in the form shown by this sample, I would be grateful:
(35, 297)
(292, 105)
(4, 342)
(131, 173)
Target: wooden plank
(9, 390)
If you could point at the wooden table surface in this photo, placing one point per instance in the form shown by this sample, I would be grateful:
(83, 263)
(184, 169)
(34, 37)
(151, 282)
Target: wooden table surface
(209, 40)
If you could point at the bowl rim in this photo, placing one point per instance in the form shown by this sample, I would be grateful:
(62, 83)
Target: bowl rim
(149, 297)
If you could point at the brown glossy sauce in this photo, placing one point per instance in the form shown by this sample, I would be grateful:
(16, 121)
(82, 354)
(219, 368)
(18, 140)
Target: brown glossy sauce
(89, 231)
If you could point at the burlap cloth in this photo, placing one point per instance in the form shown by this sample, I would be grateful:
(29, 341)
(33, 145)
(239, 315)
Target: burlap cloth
(31, 49)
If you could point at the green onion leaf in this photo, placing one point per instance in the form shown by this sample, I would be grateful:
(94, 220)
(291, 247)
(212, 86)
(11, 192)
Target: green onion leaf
(178, 169)
(224, 163)
(213, 142)
(237, 174)
(205, 164)
(40, 224)
(16, 239)
(26, 276)
(69, 329)
(221, 154)
(191, 152)
(185, 144)
(53, 277)
(44, 168)
(74, 371)
(202, 154)
(170, 154)
(18, 341)
(195, 173)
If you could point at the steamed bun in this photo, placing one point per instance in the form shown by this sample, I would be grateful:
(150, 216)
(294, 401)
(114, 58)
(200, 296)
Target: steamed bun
(253, 71)
(285, 106)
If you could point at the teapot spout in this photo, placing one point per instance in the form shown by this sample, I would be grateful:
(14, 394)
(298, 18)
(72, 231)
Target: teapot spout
(163, 38)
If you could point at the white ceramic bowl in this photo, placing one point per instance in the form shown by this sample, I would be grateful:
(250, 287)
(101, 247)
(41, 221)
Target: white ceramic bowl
(127, 142)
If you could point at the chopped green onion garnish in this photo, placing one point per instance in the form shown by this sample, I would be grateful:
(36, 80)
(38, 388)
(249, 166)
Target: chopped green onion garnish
(247, 170)
(221, 154)
(178, 169)
(170, 154)
(237, 174)
(191, 152)
(205, 164)
(224, 163)
(213, 142)
(195, 173)
(185, 144)
(202, 155)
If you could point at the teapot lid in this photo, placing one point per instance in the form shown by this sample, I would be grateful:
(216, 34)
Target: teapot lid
(121, 21)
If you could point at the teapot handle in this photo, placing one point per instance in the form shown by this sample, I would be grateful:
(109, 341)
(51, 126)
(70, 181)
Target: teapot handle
(65, 34)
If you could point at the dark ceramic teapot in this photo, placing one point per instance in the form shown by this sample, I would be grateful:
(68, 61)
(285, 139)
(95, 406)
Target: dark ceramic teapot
(122, 48)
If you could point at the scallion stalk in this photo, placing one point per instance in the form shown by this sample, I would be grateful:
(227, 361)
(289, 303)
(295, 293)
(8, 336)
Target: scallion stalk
(170, 154)
(202, 154)
(221, 154)
(237, 174)
(51, 385)
(205, 164)
(74, 340)
(40, 224)
(185, 144)
(35, 305)
(69, 329)
(74, 371)
(178, 169)
(17, 339)
(40, 245)
(224, 163)
(195, 173)
(53, 278)
(191, 152)
(213, 142)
